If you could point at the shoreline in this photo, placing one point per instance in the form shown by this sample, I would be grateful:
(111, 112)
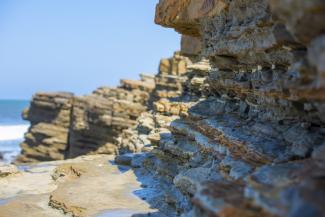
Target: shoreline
(11, 136)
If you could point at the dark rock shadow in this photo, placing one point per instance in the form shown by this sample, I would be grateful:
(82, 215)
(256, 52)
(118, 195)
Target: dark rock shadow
(121, 168)
(151, 190)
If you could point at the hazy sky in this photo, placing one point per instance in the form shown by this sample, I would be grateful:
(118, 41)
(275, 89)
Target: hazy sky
(77, 45)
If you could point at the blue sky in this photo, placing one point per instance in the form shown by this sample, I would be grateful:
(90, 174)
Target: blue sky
(77, 45)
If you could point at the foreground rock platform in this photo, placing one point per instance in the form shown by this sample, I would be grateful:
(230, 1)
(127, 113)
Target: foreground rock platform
(81, 187)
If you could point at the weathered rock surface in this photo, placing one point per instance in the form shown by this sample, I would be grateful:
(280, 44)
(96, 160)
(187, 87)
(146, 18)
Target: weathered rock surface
(244, 135)
(82, 187)
(185, 15)
(190, 46)
(302, 18)
(97, 121)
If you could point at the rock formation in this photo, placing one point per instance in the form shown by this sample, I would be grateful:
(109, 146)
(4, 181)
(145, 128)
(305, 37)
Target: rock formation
(168, 84)
(234, 123)
(65, 126)
(98, 119)
(49, 116)
(246, 135)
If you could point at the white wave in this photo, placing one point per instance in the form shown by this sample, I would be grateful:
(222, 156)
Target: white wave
(12, 132)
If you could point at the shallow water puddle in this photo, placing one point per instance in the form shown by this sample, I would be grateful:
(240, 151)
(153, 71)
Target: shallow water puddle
(118, 213)
(5, 201)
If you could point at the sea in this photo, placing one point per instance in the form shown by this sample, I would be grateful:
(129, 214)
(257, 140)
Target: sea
(12, 128)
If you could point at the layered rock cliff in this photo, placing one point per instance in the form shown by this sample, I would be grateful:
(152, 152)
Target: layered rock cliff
(50, 116)
(66, 126)
(235, 125)
(246, 135)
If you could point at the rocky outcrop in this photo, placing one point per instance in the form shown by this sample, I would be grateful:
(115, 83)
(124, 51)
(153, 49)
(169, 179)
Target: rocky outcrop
(98, 119)
(185, 15)
(66, 126)
(168, 84)
(245, 136)
(170, 77)
(47, 138)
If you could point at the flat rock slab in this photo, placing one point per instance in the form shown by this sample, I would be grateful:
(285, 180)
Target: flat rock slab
(86, 186)
(29, 205)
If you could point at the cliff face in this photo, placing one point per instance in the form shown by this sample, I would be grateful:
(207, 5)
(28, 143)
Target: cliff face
(246, 135)
(65, 126)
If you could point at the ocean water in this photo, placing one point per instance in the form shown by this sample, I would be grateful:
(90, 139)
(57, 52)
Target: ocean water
(12, 128)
